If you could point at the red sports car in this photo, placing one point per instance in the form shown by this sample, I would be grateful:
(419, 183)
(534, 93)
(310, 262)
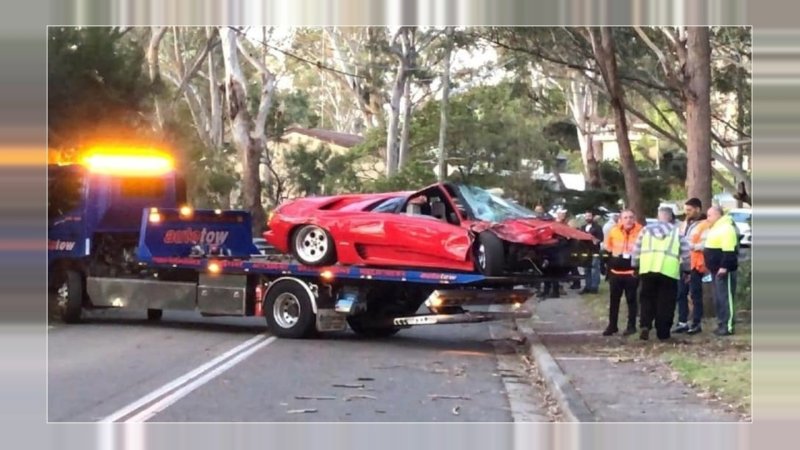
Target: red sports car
(444, 226)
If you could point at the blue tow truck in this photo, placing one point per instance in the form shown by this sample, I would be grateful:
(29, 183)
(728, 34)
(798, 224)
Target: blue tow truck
(121, 236)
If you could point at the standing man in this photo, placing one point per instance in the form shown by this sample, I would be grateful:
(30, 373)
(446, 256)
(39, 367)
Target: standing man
(552, 289)
(613, 219)
(692, 281)
(592, 277)
(721, 258)
(659, 253)
(620, 243)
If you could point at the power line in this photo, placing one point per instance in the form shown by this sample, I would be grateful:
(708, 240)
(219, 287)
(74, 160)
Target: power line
(318, 64)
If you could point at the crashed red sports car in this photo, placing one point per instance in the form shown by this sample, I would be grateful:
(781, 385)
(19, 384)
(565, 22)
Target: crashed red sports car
(444, 226)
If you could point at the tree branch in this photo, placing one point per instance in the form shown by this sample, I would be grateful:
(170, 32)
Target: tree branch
(210, 44)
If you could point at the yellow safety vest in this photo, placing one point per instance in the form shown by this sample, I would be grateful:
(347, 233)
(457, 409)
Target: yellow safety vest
(661, 256)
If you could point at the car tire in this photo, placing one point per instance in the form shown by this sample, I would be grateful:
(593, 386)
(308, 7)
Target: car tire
(360, 326)
(288, 310)
(313, 246)
(489, 254)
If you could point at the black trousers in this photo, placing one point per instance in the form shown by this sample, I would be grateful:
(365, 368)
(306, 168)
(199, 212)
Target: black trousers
(657, 299)
(617, 285)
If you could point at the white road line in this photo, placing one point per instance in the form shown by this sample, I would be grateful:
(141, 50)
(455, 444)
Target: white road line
(165, 402)
(178, 382)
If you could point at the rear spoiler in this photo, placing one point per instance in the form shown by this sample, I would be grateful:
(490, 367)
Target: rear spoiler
(185, 232)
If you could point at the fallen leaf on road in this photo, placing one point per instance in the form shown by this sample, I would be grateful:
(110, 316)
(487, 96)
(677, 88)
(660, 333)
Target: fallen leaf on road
(456, 410)
(351, 386)
(380, 411)
(301, 411)
(314, 397)
(356, 397)
(365, 379)
(448, 397)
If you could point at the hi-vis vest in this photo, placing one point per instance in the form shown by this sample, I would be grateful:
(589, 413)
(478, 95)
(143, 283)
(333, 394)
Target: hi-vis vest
(661, 256)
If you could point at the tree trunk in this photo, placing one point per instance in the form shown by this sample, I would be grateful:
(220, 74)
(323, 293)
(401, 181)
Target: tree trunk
(740, 124)
(442, 172)
(393, 130)
(698, 114)
(583, 107)
(249, 148)
(155, 75)
(404, 144)
(606, 59)
(216, 125)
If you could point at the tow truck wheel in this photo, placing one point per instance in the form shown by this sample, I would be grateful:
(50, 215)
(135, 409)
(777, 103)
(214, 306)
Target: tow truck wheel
(69, 295)
(313, 246)
(287, 308)
(154, 315)
(489, 254)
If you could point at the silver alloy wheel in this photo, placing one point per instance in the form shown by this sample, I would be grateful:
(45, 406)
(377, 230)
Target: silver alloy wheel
(311, 243)
(286, 310)
(482, 256)
(62, 297)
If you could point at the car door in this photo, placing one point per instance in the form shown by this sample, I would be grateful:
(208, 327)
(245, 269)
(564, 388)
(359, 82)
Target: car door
(398, 238)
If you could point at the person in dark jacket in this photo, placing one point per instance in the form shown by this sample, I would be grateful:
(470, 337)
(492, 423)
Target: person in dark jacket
(592, 276)
(720, 252)
(691, 281)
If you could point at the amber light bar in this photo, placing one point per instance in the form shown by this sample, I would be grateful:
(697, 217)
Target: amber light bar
(128, 162)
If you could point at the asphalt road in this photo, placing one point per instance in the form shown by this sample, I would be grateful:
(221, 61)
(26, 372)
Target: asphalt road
(116, 366)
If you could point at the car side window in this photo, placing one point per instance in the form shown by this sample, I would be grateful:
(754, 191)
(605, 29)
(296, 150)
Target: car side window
(388, 206)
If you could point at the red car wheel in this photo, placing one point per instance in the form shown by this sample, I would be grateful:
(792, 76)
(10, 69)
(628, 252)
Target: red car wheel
(489, 254)
(313, 246)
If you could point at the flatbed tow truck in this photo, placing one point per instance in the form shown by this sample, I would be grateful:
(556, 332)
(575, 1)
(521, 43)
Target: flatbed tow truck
(119, 239)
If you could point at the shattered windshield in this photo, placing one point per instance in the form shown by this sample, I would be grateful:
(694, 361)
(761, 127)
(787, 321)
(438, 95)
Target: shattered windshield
(492, 208)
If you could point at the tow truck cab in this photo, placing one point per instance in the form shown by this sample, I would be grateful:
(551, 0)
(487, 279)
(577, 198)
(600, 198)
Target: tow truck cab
(95, 208)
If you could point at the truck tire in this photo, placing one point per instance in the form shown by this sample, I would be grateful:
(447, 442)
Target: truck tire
(288, 310)
(68, 294)
(154, 315)
(489, 254)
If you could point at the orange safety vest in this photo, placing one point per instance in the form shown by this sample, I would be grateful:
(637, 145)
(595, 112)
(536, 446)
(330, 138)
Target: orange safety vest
(620, 242)
(696, 240)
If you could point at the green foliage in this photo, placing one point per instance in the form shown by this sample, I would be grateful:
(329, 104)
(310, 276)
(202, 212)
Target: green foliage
(489, 130)
(96, 81)
(412, 177)
(321, 172)
(290, 108)
(653, 184)
(744, 282)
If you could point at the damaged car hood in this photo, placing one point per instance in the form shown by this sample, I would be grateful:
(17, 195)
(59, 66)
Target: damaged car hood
(531, 231)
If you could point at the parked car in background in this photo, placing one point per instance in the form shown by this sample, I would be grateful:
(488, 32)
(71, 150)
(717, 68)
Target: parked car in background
(743, 218)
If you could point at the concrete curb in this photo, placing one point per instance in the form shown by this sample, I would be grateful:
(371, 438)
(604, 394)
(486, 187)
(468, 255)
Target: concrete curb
(568, 398)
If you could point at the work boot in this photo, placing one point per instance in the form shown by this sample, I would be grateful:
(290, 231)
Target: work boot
(694, 329)
(681, 327)
(644, 334)
(610, 330)
(629, 331)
